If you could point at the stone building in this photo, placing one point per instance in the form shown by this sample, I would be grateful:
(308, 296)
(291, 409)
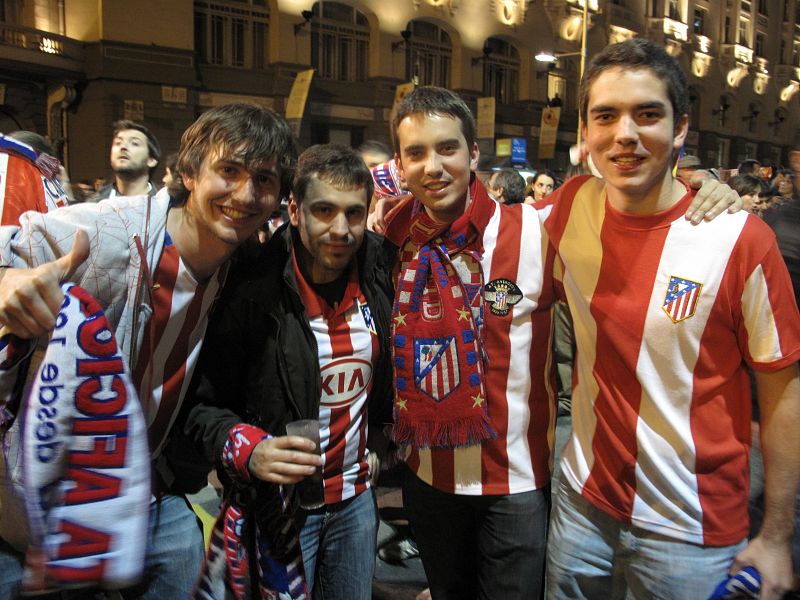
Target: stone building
(69, 68)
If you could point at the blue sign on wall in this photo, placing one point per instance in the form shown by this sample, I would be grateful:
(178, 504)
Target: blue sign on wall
(519, 150)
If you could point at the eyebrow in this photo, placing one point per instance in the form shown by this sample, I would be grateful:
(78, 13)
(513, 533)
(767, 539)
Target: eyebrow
(603, 108)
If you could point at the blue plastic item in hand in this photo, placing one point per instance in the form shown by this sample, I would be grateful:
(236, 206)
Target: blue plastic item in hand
(744, 584)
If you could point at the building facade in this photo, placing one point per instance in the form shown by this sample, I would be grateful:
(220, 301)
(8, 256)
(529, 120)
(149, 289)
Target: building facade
(70, 68)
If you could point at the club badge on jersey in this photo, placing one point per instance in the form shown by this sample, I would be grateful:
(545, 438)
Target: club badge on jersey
(681, 298)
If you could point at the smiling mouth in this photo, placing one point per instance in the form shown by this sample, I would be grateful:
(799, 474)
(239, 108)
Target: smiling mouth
(627, 160)
(437, 186)
(232, 213)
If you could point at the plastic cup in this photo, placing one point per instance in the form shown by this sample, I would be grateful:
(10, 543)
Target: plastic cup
(310, 490)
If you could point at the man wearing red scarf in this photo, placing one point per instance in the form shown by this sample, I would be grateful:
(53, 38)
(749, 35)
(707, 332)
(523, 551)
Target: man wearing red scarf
(471, 343)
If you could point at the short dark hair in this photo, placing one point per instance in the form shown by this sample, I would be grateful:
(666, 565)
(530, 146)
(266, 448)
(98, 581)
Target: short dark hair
(748, 184)
(335, 164)
(248, 131)
(431, 100)
(171, 163)
(749, 166)
(546, 173)
(153, 147)
(374, 146)
(34, 140)
(638, 53)
(513, 185)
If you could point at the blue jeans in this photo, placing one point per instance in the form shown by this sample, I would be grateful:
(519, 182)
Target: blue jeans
(590, 554)
(174, 556)
(339, 542)
(479, 546)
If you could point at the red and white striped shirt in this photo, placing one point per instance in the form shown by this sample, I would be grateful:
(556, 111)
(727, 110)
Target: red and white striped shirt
(24, 188)
(174, 336)
(518, 339)
(666, 316)
(348, 349)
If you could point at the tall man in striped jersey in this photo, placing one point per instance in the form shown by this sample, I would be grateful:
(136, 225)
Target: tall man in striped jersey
(155, 265)
(471, 338)
(306, 336)
(653, 492)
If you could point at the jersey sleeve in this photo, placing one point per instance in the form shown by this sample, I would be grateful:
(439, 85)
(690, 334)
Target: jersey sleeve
(769, 328)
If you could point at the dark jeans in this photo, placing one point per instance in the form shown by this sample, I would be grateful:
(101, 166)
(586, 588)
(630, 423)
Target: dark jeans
(479, 547)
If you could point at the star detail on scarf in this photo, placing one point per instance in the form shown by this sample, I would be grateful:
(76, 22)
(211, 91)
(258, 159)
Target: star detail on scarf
(463, 314)
(401, 404)
(400, 319)
(477, 401)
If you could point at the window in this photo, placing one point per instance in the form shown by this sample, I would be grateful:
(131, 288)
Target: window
(746, 6)
(762, 7)
(728, 32)
(786, 11)
(699, 21)
(760, 45)
(428, 54)
(339, 42)
(501, 71)
(231, 33)
(674, 10)
(744, 32)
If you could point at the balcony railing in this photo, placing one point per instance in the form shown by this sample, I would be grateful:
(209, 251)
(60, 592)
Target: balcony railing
(40, 42)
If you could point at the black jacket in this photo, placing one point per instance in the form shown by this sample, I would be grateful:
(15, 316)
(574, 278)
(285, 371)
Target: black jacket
(259, 363)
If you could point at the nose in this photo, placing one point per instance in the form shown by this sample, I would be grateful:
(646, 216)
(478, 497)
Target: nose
(339, 225)
(245, 192)
(433, 166)
(626, 131)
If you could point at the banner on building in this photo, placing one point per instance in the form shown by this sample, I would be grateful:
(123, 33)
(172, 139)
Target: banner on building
(502, 147)
(486, 109)
(548, 132)
(400, 92)
(296, 104)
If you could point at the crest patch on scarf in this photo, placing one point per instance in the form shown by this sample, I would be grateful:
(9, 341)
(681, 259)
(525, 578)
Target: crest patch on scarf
(681, 298)
(436, 366)
(501, 295)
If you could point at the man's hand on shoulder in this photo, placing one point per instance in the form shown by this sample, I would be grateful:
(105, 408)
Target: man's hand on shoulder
(712, 198)
(284, 460)
(31, 298)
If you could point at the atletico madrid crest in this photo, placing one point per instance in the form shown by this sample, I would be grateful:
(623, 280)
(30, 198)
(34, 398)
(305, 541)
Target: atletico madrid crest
(681, 299)
(436, 366)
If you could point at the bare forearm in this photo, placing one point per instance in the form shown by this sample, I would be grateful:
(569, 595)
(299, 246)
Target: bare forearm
(779, 400)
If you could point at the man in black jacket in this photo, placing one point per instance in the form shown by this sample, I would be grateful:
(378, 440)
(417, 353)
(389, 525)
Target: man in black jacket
(305, 335)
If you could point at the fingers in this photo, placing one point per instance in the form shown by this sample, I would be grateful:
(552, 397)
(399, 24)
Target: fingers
(283, 460)
(711, 200)
(29, 301)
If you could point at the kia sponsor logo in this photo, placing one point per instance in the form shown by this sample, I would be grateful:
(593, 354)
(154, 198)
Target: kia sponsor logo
(344, 380)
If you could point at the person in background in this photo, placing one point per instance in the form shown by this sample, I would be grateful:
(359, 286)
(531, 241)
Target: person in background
(783, 188)
(135, 153)
(688, 165)
(749, 166)
(752, 190)
(170, 170)
(374, 153)
(507, 186)
(543, 185)
(30, 176)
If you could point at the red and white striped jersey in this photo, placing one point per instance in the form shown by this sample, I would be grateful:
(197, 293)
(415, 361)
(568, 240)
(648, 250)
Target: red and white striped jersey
(666, 317)
(348, 349)
(23, 188)
(172, 340)
(519, 386)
